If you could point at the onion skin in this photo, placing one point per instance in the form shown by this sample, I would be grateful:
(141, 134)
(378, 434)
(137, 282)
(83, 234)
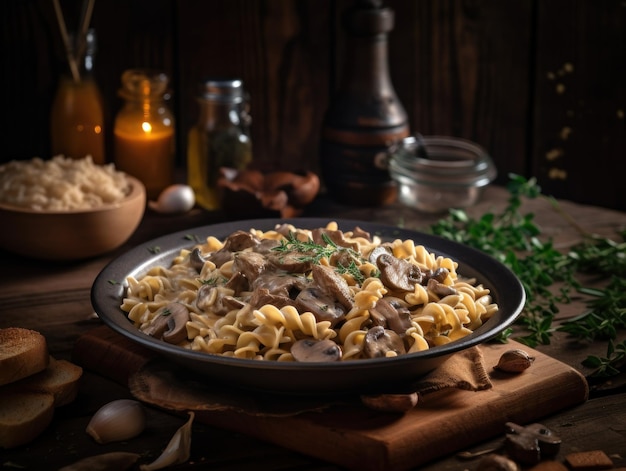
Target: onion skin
(116, 421)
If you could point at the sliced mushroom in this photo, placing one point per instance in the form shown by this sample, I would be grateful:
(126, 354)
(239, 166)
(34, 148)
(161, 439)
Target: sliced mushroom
(170, 324)
(214, 299)
(329, 280)
(196, 260)
(398, 274)
(344, 258)
(177, 324)
(321, 304)
(440, 274)
(311, 350)
(158, 325)
(439, 288)
(377, 252)
(379, 341)
(387, 315)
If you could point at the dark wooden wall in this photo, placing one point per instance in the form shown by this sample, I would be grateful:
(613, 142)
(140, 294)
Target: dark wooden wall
(540, 84)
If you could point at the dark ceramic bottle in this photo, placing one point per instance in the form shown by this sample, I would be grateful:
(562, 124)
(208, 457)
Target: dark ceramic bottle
(365, 117)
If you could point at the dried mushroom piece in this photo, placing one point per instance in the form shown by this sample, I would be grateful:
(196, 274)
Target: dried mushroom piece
(532, 443)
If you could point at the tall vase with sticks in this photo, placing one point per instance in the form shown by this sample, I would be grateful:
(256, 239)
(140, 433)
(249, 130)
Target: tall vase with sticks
(77, 116)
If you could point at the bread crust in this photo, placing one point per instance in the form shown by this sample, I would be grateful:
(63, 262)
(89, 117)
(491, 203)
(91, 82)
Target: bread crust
(60, 379)
(32, 385)
(23, 353)
(24, 416)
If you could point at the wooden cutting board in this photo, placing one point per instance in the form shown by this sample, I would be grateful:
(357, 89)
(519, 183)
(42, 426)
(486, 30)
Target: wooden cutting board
(359, 438)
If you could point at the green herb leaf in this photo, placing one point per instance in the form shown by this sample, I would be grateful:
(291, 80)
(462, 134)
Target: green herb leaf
(548, 276)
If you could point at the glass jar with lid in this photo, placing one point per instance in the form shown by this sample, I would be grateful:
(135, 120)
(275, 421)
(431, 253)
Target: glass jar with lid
(220, 138)
(144, 130)
(437, 173)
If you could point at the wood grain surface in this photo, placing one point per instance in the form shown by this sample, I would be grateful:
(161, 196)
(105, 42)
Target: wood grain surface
(53, 298)
(538, 84)
(442, 423)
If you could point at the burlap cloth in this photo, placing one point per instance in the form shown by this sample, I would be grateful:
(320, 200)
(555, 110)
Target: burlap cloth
(157, 383)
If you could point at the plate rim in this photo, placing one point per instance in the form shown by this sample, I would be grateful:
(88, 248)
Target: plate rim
(106, 285)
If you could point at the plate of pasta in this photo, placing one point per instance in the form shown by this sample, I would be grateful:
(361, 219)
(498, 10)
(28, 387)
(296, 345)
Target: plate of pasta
(307, 305)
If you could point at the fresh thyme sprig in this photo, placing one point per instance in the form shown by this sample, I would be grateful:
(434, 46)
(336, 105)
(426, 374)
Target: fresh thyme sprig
(351, 269)
(549, 276)
(309, 251)
(214, 280)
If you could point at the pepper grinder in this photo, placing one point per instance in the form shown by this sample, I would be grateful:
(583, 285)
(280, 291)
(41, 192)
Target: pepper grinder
(365, 117)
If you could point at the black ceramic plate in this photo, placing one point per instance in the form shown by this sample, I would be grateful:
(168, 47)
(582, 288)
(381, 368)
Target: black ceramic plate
(367, 375)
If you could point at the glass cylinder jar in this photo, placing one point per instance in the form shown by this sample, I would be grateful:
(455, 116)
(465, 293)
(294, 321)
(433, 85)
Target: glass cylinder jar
(144, 130)
(220, 138)
(437, 173)
(77, 117)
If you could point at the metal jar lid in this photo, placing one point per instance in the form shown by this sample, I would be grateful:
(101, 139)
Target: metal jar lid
(225, 90)
(443, 161)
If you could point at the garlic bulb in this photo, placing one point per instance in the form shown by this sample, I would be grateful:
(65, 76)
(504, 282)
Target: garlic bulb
(117, 420)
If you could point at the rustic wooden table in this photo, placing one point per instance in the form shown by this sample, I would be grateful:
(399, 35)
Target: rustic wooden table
(53, 298)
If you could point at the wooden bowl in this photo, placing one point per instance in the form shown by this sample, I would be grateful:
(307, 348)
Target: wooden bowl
(72, 234)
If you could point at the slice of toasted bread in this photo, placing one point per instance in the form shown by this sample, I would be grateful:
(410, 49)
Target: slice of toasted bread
(60, 379)
(23, 416)
(23, 352)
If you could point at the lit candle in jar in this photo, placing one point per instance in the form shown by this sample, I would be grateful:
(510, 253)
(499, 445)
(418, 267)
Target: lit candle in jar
(144, 131)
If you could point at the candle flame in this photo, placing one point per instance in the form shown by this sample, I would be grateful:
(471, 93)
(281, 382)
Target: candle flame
(146, 127)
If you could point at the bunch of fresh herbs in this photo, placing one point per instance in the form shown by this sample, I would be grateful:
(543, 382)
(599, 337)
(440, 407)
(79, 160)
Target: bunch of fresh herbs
(550, 276)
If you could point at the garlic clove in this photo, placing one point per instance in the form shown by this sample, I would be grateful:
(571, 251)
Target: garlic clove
(514, 361)
(174, 199)
(177, 451)
(116, 421)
